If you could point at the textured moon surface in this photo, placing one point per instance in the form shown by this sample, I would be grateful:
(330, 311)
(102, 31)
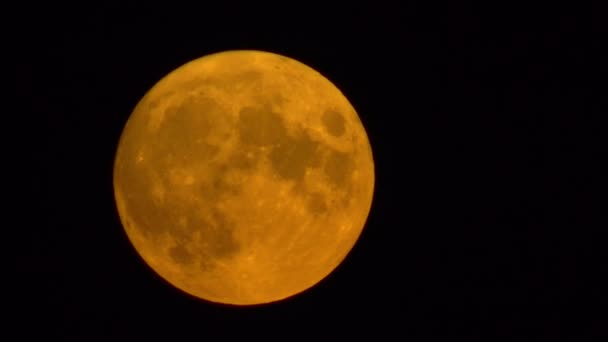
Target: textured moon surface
(243, 177)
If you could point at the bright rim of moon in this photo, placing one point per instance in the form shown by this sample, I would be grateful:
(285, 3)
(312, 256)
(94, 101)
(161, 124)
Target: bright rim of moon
(243, 177)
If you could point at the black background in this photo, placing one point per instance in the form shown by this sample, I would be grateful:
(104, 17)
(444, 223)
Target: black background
(483, 126)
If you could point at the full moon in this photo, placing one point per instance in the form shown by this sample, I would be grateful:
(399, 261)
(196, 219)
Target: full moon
(243, 177)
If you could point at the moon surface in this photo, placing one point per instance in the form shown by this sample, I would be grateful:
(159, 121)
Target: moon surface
(243, 177)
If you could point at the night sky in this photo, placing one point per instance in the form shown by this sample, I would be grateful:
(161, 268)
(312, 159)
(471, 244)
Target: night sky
(485, 219)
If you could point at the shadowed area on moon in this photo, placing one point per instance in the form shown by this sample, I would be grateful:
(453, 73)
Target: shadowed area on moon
(291, 155)
(208, 183)
(333, 122)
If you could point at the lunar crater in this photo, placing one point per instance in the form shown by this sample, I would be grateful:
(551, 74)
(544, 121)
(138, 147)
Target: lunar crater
(334, 122)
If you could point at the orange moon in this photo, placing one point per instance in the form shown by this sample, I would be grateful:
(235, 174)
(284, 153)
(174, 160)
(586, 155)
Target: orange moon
(243, 177)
